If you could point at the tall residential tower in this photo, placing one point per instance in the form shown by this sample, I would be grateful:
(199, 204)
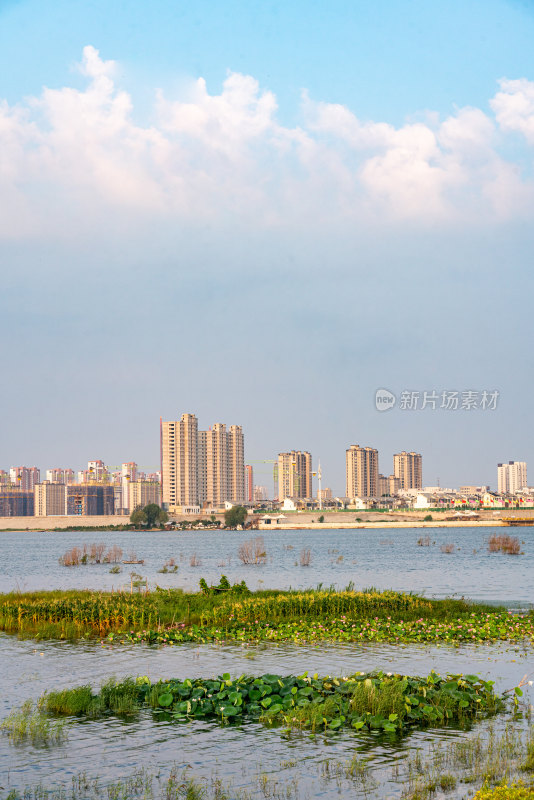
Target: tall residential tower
(295, 475)
(361, 471)
(408, 468)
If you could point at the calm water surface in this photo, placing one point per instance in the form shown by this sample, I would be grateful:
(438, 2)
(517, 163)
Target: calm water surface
(382, 558)
(112, 749)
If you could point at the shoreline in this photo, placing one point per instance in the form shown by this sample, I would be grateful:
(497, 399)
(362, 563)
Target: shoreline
(372, 524)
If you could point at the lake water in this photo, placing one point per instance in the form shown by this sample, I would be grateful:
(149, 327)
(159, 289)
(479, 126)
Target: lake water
(114, 748)
(386, 559)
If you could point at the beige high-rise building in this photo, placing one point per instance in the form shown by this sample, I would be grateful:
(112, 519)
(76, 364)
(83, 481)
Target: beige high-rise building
(221, 465)
(408, 468)
(50, 499)
(179, 462)
(361, 471)
(236, 464)
(142, 493)
(201, 466)
(217, 490)
(511, 477)
(295, 475)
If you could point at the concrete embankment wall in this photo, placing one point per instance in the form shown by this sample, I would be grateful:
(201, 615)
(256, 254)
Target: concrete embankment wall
(49, 523)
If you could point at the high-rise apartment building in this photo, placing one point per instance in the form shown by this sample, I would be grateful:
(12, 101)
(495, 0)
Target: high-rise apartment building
(201, 466)
(142, 493)
(295, 475)
(16, 503)
(128, 474)
(408, 468)
(214, 486)
(90, 499)
(59, 475)
(511, 477)
(260, 494)
(25, 478)
(361, 471)
(50, 499)
(236, 464)
(249, 483)
(179, 462)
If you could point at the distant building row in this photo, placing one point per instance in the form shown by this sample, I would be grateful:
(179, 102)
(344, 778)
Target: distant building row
(364, 480)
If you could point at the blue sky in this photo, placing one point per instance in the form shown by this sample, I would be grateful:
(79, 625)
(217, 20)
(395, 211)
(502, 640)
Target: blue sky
(262, 214)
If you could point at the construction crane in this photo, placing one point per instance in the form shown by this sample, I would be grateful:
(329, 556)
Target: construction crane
(274, 462)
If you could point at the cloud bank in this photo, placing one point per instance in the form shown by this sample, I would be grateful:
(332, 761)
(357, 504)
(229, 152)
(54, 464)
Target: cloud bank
(71, 158)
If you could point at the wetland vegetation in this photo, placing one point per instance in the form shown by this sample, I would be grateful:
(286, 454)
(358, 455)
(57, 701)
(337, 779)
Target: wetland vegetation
(377, 701)
(224, 613)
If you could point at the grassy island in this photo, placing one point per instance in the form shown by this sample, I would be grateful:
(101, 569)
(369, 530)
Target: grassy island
(375, 701)
(171, 616)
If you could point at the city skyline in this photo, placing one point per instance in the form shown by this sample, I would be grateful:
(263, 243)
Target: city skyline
(290, 470)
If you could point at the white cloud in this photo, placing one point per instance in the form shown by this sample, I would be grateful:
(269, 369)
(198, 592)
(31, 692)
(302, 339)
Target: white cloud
(78, 155)
(514, 107)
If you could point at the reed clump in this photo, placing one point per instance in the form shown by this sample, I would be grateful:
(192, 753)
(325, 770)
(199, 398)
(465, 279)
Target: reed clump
(91, 554)
(252, 551)
(305, 557)
(502, 543)
(424, 541)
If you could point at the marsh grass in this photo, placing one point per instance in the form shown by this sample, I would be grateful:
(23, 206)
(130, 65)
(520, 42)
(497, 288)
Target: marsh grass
(486, 757)
(70, 702)
(31, 723)
(141, 785)
(383, 699)
(117, 698)
(82, 614)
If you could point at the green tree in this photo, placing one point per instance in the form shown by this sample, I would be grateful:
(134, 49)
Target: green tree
(235, 516)
(137, 517)
(148, 516)
(154, 515)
